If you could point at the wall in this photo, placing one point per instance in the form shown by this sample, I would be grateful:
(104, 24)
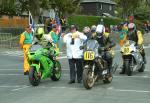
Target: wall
(15, 21)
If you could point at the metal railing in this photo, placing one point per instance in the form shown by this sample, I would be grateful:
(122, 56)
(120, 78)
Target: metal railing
(9, 37)
(8, 40)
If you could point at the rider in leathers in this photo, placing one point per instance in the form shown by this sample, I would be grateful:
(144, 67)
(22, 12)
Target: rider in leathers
(43, 40)
(135, 35)
(106, 42)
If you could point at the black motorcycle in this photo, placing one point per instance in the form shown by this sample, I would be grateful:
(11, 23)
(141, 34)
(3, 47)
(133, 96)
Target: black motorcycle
(94, 66)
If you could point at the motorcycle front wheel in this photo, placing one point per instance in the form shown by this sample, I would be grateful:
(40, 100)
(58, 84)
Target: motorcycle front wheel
(88, 80)
(33, 77)
(56, 72)
(142, 68)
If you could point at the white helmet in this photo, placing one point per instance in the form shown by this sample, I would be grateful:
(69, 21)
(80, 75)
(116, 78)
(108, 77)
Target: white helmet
(131, 26)
(100, 28)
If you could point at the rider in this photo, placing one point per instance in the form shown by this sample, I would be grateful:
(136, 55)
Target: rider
(107, 43)
(46, 43)
(135, 35)
(87, 31)
(93, 30)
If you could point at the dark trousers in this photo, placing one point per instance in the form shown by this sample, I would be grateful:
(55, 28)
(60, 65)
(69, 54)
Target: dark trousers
(75, 68)
(108, 57)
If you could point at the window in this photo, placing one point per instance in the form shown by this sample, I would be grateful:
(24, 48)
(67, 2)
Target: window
(110, 7)
(101, 6)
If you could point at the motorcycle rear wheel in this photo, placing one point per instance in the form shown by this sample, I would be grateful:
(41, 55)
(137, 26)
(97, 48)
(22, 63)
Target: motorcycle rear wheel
(128, 68)
(33, 77)
(88, 82)
(108, 79)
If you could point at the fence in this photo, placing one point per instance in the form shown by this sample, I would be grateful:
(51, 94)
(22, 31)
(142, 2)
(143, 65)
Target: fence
(9, 37)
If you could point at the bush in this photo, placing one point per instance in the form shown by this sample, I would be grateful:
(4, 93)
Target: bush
(82, 20)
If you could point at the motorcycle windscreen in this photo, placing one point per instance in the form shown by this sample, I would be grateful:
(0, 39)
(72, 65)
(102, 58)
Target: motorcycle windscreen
(35, 47)
(92, 45)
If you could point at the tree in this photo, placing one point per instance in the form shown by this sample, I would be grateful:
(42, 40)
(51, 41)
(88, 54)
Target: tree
(65, 7)
(129, 7)
(8, 7)
(36, 7)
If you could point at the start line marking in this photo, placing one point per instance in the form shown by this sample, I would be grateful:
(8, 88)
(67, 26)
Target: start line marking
(128, 90)
(20, 53)
(21, 87)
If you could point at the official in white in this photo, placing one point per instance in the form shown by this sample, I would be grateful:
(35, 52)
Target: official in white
(73, 41)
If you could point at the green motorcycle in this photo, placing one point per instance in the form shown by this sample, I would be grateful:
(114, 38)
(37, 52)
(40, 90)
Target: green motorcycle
(43, 64)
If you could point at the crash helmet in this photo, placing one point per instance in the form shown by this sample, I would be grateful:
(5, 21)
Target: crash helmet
(93, 28)
(86, 29)
(100, 29)
(39, 33)
(131, 27)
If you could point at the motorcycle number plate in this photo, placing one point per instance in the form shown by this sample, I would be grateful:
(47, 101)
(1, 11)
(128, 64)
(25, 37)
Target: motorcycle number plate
(126, 50)
(104, 72)
(89, 55)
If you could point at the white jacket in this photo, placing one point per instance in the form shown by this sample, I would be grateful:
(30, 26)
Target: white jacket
(73, 50)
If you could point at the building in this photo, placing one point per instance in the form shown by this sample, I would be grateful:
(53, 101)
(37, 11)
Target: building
(97, 7)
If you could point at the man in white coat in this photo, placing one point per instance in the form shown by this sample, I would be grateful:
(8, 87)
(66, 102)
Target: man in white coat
(73, 41)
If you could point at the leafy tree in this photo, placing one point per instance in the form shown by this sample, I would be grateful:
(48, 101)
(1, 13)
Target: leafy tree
(129, 7)
(36, 7)
(8, 7)
(65, 7)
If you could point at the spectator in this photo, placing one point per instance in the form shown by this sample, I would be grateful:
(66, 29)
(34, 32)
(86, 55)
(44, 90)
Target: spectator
(25, 43)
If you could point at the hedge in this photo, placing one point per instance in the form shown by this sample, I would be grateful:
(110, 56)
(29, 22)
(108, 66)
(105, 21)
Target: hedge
(82, 20)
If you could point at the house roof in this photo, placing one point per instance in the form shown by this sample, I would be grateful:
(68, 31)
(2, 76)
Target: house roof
(103, 1)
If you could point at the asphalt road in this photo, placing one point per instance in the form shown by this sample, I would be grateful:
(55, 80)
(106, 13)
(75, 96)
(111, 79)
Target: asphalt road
(15, 87)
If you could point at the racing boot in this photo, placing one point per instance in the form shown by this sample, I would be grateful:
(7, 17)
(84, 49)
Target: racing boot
(123, 70)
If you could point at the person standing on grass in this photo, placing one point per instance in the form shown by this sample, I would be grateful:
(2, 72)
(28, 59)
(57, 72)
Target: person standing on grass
(25, 44)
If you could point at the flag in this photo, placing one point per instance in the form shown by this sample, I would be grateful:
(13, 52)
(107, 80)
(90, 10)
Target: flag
(31, 22)
(58, 25)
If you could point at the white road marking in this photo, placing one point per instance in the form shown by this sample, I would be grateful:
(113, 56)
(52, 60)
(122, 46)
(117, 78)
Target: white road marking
(145, 76)
(21, 69)
(64, 88)
(17, 64)
(20, 53)
(11, 69)
(128, 90)
(8, 86)
(10, 74)
(24, 87)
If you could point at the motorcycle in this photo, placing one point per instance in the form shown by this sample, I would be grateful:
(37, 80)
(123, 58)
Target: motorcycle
(39, 60)
(94, 66)
(132, 58)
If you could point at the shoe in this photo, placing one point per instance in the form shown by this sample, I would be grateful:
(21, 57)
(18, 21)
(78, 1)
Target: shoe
(26, 73)
(72, 81)
(122, 72)
(145, 61)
